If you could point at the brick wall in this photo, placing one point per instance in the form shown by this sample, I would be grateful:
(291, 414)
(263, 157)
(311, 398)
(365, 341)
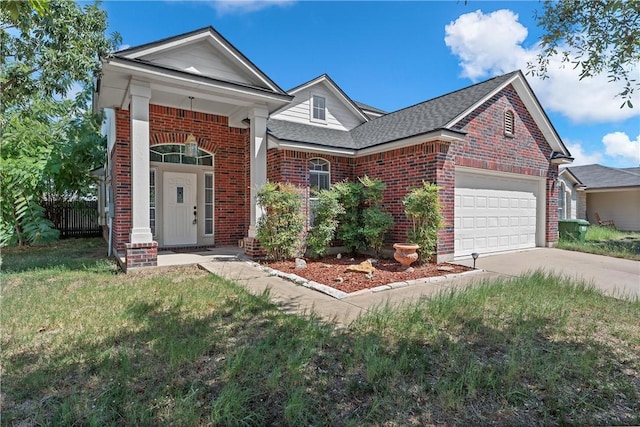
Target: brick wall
(121, 181)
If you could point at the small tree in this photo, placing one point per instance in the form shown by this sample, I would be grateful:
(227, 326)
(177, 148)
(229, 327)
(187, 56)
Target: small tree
(422, 208)
(325, 211)
(280, 228)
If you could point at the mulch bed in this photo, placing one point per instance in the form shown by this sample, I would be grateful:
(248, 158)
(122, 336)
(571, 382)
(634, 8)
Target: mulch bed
(332, 272)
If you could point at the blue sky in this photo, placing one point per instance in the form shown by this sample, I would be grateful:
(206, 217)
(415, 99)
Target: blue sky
(395, 54)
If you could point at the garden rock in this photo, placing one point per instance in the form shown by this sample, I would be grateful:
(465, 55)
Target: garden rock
(363, 267)
(300, 264)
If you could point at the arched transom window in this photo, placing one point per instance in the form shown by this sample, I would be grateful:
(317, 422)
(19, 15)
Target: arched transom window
(319, 175)
(175, 153)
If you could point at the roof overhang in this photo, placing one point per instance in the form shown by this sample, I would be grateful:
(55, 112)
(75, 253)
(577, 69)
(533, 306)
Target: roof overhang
(442, 135)
(173, 88)
(611, 189)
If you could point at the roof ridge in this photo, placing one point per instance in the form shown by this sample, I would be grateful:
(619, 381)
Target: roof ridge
(454, 91)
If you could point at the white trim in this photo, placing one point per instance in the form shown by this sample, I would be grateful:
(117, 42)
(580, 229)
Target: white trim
(213, 203)
(439, 135)
(312, 108)
(196, 82)
(215, 41)
(351, 105)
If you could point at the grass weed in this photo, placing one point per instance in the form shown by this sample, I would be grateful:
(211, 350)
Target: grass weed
(606, 241)
(84, 346)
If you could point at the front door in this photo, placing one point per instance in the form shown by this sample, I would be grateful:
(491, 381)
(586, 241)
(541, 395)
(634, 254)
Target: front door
(179, 209)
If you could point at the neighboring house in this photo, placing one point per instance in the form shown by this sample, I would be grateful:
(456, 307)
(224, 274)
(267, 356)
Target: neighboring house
(612, 193)
(490, 147)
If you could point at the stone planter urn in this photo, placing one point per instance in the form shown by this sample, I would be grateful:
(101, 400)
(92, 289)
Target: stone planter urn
(405, 254)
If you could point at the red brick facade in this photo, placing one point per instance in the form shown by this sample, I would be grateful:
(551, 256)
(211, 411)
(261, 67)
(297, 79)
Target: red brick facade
(485, 147)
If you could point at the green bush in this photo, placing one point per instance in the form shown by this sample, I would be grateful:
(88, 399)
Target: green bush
(375, 225)
(325, 211)
(280, 228)
(422, 208)
(363, 224)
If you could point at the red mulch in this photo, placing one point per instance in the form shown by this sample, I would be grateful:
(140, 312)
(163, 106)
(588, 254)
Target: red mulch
(326, 270)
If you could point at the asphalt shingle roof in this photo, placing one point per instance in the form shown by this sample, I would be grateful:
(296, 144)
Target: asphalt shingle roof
(598, 176)
(299, 132)
(415, 120)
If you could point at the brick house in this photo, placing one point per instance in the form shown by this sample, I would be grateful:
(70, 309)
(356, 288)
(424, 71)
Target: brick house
(194, 128)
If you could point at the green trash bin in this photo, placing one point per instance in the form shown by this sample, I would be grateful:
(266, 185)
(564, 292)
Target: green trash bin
(573, 229)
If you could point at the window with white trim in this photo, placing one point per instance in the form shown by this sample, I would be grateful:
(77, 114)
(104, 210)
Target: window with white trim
(208, 203)
(319, 179)
(319, 175)
(319, 108)
(509, 122)
(152, 201)
(562, 206)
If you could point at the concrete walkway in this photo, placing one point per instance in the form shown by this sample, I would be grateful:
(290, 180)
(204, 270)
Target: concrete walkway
(614, 276)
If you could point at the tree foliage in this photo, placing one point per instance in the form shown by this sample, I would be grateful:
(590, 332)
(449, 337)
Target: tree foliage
(596, 36)
(280, 228)
(49, 142)
(49, 46)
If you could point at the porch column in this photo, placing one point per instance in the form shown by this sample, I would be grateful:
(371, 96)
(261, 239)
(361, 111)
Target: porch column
(139, 111)
(258, 167)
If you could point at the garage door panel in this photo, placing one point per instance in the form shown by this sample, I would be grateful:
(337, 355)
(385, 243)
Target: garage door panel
(494, 213)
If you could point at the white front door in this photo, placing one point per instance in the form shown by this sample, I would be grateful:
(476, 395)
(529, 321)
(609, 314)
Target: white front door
(179, 209)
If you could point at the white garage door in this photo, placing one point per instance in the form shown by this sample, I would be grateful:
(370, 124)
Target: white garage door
(494, 214)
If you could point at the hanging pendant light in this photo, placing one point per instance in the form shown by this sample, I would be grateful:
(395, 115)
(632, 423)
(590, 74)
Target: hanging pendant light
(191, 143)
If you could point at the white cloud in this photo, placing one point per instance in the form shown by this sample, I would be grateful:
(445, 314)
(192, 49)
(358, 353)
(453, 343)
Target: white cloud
(224, 7)
(487, 44)
(581, 157)
(491, 44)
(618, 144)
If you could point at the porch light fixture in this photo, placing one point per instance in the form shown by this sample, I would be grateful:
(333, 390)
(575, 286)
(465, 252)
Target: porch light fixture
(191, 143)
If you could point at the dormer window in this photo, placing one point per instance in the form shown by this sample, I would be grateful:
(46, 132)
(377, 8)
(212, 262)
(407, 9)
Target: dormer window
(318, 108)
(509, 120)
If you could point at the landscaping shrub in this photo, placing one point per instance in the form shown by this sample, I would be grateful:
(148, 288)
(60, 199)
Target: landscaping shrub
(422, 208)
(363, 224)
(325, 211)
(280, 228)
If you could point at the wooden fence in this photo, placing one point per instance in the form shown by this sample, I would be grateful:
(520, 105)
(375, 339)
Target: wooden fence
(74, 219)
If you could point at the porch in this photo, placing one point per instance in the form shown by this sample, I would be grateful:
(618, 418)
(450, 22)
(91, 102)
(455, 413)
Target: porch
(192, 256)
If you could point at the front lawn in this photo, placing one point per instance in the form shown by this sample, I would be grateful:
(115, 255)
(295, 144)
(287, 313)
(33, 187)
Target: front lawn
(83, 345)
(606, 241)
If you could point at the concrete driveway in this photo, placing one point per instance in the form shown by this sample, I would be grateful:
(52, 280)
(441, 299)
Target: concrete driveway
(614, 276)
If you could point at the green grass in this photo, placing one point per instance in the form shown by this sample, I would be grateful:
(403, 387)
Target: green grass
(82, 345)
(606, 241)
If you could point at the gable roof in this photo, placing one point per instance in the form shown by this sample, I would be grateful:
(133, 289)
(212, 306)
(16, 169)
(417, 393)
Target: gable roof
(425, 116)
(137, 54)
(598, 177)
(436, 115)
(340, 94)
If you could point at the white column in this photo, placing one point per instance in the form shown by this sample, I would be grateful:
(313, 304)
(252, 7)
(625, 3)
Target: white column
(139, 111)
(258, 142)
